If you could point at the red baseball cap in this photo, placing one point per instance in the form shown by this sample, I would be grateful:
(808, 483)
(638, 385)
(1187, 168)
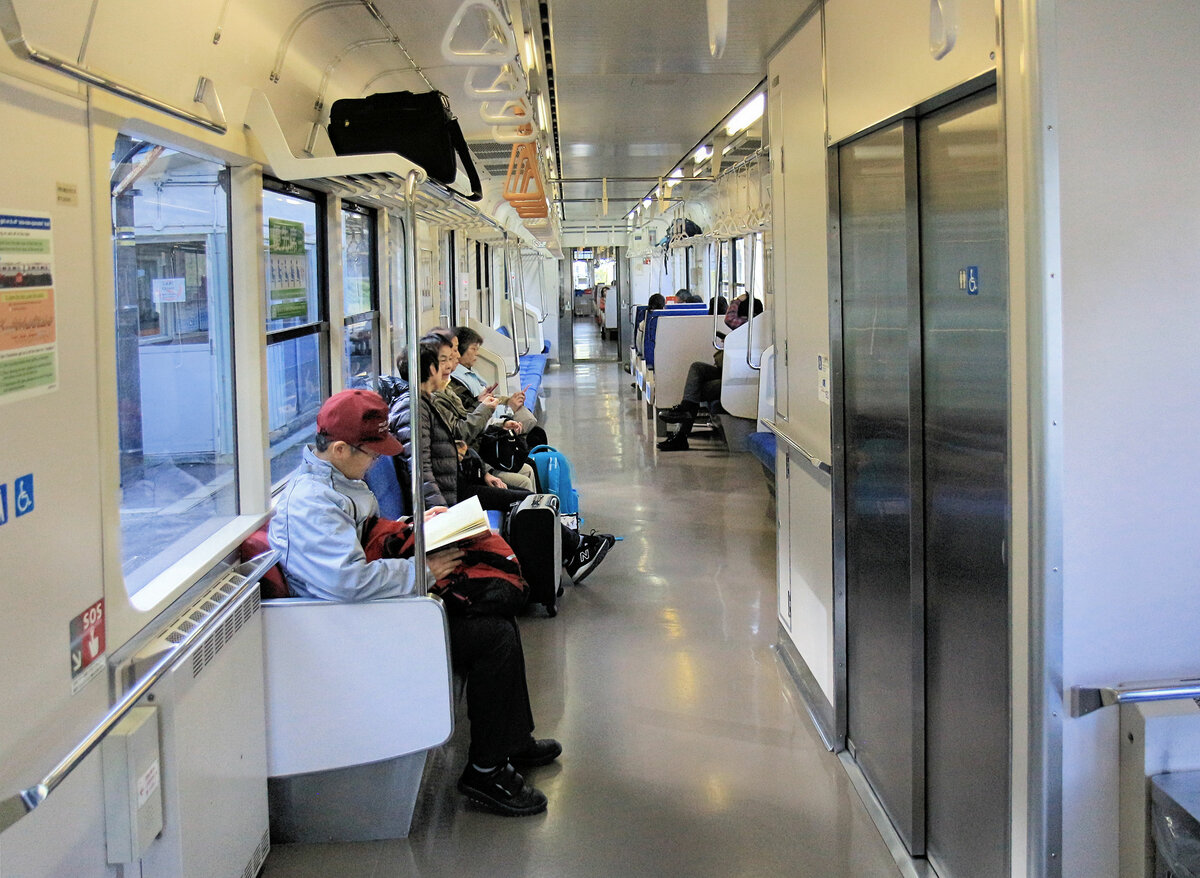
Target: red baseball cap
(359, 417)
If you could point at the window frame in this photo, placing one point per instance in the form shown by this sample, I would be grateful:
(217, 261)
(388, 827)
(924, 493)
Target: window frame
(320, 327)
(374, 314)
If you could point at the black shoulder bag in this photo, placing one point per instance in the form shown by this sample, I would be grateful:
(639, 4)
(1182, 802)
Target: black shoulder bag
(418, 126)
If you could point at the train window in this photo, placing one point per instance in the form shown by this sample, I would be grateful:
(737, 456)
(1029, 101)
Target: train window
(178, 467)
(297, 320)
(360, 296)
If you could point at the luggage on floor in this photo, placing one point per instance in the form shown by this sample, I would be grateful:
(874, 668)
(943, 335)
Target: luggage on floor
(532, 529)
(555, 476)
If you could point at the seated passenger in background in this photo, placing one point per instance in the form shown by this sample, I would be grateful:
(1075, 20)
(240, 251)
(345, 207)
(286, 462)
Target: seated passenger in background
(703, 384)
(318, 530)
(470, 387)
(447, 479)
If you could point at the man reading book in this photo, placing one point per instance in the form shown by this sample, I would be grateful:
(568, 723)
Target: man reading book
(318, 529)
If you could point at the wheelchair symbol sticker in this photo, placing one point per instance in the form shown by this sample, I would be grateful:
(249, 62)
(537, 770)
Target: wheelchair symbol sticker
(968, 280)
(23, 495)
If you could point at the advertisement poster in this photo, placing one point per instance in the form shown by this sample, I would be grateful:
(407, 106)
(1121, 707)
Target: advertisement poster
(287, 270)
(28, 342)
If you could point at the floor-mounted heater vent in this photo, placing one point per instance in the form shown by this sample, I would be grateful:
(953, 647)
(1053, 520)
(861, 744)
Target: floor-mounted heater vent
(213, 739)
(259, 857)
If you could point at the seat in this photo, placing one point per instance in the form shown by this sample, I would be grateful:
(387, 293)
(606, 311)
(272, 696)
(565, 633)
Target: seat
(355, 695)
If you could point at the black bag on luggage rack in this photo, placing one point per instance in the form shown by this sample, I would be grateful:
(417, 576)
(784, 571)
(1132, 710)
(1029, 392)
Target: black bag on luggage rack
(418, 126)
(532, 528)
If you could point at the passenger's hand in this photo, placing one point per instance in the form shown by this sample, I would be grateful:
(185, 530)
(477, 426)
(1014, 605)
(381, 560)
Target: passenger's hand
(515, 426)
(435, 510)
(488, 400)
(494, 481)
(441, 564)
(516, 400)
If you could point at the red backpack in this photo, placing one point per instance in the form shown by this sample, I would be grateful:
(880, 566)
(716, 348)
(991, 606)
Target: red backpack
(486, 582)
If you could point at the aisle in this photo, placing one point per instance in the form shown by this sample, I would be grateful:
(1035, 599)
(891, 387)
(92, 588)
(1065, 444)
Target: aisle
(686, 753)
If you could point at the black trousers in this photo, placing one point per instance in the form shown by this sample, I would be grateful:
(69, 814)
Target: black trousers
(703, 385)
(500, 499)
(487, 651)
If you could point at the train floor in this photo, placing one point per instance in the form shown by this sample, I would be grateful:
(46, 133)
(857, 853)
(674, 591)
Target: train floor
(686, 750)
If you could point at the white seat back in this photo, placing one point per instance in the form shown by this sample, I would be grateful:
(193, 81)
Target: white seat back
(739, 382)
(349, 684)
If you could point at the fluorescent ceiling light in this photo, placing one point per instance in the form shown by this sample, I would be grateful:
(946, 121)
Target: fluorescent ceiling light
(703, 154)
(747, 115)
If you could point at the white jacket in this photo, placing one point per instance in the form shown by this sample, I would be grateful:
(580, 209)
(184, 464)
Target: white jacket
(317, 528)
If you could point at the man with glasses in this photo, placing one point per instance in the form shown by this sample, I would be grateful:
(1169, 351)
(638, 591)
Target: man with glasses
(318, 529)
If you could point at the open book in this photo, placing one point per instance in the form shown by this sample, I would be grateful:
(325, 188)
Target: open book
(460, 522)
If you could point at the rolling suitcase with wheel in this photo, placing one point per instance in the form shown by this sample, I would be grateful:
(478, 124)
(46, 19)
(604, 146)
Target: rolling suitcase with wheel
(532, 529)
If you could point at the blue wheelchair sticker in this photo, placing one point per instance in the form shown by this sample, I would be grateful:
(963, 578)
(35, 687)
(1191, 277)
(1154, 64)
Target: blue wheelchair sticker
(23, 495)
(3, 504)
(973, 280)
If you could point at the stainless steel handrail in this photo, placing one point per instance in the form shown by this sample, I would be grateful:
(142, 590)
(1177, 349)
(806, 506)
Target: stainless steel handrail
(512, 313)
(10, 26)
(1086, 699)
(807, 455)
(416, 486)
(15, 807)
(520, 284)
(718, 341)
(750, 300)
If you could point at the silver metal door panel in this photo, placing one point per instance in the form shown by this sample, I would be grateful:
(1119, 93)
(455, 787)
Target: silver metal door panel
(964, 341)
(879, 278)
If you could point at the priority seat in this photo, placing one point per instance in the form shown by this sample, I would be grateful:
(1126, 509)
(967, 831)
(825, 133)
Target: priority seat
(356, 694)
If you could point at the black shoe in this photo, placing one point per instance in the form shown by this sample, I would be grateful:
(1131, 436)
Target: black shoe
(678, 442)
(501, 790)
(679, 414)
(536, 753)
(592, 549)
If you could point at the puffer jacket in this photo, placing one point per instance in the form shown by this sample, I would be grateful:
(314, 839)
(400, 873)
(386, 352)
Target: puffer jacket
(439, 457)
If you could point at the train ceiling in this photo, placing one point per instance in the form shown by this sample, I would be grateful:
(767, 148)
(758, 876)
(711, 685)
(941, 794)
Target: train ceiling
(629, 87)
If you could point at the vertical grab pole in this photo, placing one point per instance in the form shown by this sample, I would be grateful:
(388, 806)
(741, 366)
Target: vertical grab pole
(750, 307)
(512, 315)
(414, 389)
(715, 296)
(524, 303)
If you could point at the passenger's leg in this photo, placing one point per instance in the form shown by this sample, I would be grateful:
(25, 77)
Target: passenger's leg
(521, 480)
(487, 650)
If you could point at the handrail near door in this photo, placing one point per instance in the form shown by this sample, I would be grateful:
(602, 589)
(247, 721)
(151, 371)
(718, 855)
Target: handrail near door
(717, 343)
(206, 93)
(1085, 699)
(416, 487)
(524, 303)
(512, 314)
(15, 807)
(750, 300)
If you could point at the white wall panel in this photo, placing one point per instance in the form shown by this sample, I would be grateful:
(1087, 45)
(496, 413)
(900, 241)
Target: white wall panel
(1129, 121)
(810, 536)
(880, 63)
(52, 555)
(801, 250)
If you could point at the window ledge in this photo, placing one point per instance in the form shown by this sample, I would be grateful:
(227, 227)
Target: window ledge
(195, 564)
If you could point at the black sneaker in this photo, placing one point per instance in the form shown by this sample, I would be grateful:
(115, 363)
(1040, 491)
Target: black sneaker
(501, 790)
(536, 753)
(676, 442)
(592, 549)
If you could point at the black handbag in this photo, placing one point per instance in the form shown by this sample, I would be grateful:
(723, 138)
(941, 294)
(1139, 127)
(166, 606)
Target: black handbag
(416, 125)
(503, 449)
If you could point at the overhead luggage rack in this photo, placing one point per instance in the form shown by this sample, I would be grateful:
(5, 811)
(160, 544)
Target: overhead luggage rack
(377, 179)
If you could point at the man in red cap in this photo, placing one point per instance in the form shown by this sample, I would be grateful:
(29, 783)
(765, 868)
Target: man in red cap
(318, 530)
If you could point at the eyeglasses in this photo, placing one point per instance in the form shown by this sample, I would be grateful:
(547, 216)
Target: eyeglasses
(374, 455)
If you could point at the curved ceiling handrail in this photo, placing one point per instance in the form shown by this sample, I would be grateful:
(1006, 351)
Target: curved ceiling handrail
(337, 59)
(286, 42)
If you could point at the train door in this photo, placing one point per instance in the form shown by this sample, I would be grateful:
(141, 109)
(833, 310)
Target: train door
(924, 378)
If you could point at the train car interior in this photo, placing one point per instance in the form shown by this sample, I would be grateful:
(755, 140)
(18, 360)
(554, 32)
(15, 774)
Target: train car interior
(851, 348)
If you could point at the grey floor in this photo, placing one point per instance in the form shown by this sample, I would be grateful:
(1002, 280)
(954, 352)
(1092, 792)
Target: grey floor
(687, 752)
